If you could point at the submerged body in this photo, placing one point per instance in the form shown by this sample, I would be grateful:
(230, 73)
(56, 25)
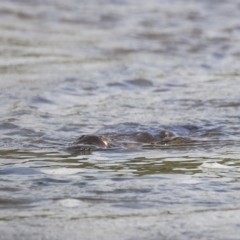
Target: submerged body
(130, 139)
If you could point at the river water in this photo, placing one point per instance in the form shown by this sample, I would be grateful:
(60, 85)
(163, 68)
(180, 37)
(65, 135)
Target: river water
(69, 68)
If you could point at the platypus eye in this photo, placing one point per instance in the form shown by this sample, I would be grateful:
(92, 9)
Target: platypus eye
(167, 134)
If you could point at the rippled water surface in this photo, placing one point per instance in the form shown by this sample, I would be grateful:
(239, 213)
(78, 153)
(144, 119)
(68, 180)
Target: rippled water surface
(117, 69)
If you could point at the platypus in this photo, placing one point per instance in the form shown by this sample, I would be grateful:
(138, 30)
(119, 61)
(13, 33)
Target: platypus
(133, 140)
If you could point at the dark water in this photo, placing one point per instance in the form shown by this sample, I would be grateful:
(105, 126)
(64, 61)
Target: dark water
(113, 68)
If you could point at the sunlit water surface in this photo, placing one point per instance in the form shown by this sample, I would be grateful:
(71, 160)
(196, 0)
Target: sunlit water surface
(75, 67)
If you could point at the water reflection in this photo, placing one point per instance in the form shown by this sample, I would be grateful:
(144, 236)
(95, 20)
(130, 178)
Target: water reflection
(127, 71)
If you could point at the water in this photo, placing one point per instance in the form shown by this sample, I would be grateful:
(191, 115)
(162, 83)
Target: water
(69, 68)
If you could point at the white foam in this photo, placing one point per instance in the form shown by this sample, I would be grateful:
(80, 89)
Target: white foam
(71, 203)
(62, 171)
(214, 165)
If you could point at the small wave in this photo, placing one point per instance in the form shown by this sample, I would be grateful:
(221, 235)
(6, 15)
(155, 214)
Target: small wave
(215, 165)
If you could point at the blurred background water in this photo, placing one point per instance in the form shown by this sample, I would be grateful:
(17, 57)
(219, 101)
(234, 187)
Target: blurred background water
(75, 67)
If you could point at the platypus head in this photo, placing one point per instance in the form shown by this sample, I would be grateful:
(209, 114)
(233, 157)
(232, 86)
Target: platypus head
(93, 140)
